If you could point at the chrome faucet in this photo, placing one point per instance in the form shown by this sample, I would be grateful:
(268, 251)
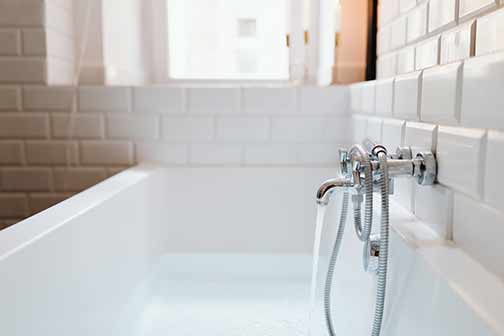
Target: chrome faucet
(360, 162)
(327, 187)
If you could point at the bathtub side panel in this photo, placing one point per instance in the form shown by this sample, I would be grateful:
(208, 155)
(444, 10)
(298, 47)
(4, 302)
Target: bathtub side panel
(75, 279)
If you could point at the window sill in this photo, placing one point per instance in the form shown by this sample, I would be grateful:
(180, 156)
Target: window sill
(229, 83)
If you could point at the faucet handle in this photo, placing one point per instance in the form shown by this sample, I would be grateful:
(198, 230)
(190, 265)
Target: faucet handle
(425, 168)
(344, 161)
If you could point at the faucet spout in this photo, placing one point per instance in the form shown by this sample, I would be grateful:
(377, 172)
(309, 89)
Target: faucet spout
(326, 189)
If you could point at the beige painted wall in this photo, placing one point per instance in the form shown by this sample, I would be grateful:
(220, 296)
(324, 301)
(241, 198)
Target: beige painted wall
(350, 64)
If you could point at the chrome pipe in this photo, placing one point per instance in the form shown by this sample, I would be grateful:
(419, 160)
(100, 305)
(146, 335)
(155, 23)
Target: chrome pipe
(397, 167)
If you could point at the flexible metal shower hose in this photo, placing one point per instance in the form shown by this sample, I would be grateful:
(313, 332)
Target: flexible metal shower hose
(332, 263)
(384, 245)
(382, 259)
(363, 232)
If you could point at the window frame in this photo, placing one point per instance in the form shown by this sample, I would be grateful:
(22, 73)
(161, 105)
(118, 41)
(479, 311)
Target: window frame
(161, 54)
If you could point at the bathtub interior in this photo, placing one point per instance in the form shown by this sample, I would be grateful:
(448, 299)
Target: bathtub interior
(90, 265)
(432, 289)
(224, 251)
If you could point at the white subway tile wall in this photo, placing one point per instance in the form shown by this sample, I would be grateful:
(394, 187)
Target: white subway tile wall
(188, 129)
(312, 100)
(170, 154)
(406, 60)
(243, 129)
(10, 99)
(404, 193)
(451, 105)
(490, 33)
(494, 183)
(70, 179)
(383, 40)
(309, 129)
(482, 98)
(441, 14)
(24, 126)
(417, 22)
(420, 137)
(10, 42)
(51, 153)
(106, 153)
(266, 101)
(460, 152)
(77, 126)
(158, 99)
(36, 42)
(473, 7)
(387, 65)
(392, 133)
(43, 98)
(11, 153)
(368, 94)
(374, 129)
(398, 31)
(477, 228)
(21, 13)
(356, 101)
(407, 94)
(28, 179)
(458, 44)
(388, 9)
(22, 70)
(13, 205)
(213, 101)
(433, 205)
(427, 53)
(216, 154)
(406, 5)
(105, 99)
(359, 128)
(55, 141)
(132, 127)
(384, 97)
(441, 87)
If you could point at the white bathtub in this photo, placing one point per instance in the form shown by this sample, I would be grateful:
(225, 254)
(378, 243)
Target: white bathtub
(223, 251)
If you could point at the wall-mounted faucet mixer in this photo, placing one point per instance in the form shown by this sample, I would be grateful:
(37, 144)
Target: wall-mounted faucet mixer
(355, 162)
(366, 169)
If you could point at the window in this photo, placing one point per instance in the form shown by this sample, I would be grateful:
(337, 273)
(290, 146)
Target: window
(228, 39)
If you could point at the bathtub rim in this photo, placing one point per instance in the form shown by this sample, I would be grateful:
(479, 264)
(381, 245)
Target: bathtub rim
(24, 233)
(480, 289)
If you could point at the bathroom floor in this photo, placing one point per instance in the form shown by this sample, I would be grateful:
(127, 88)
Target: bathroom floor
(221, 299)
